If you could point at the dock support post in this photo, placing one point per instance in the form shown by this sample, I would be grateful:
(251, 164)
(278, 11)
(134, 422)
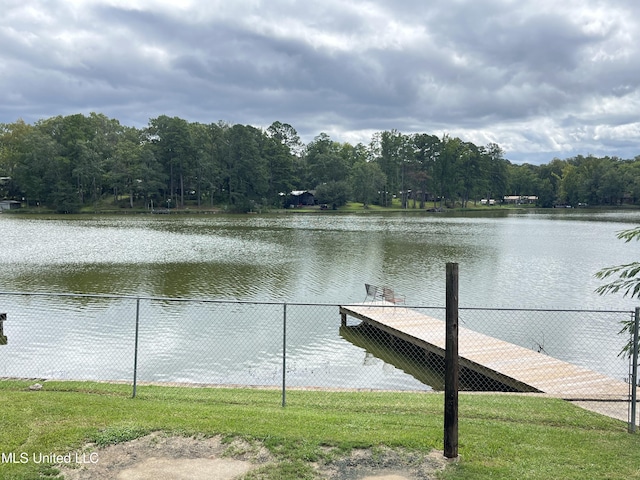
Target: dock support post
(634, 373)
(451, 362)
(3, 338)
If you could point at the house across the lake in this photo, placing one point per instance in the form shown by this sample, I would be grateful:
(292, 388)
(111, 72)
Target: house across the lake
(520, 199)
(299, 198)
(9, 205)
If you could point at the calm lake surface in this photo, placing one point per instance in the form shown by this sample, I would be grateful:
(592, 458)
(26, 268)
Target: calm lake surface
(529, 259)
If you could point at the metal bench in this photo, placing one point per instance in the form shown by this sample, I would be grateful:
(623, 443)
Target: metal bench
(388, 295)
(385, 294)
(373, 292)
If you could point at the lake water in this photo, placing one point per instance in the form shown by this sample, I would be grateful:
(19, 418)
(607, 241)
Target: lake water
(532, 259)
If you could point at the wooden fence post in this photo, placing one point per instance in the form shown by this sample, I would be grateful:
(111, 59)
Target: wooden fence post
(451, 364)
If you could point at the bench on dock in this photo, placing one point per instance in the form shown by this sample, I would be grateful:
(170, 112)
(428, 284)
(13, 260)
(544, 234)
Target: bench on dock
(385, 294)
(388, 295)
(373, 292)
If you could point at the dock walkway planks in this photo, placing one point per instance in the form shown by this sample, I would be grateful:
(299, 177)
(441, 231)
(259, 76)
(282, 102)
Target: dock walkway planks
(518, 367)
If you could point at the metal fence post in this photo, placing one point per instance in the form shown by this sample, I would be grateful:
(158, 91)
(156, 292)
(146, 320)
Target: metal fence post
(135, 354)
(634, 372)
(284, 355)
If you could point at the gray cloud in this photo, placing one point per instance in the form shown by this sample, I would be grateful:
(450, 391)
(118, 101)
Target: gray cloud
(542, 79)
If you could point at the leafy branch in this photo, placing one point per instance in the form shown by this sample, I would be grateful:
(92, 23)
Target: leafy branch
(627, 283)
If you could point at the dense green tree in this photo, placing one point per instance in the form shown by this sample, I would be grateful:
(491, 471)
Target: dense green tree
(334, 193)
(569, 187)
(207, 160)
(287, 136)
(546, 194)
(62, 175)
(611, 186)
(132, 170)
(149, 179)
(630, 175)
(280, 149)
(325, 161)
(105, 137)
(67, 162)
(552, 172)
(425, 151)
(472, 176)
(367, 180)
(496, 171)
(74, 135)
(445, 170)
(592, 180)
(13, 140)
(246, 178)
(523, 180)
(33, 169)
(174, 150)
(392, 150)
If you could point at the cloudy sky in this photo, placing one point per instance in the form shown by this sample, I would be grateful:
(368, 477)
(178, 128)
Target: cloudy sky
(542, 78)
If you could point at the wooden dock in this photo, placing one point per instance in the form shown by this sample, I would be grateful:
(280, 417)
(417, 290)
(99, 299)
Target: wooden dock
(519, 368)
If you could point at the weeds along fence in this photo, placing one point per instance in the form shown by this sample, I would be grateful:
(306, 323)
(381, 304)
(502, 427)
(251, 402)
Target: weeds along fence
(279, 345)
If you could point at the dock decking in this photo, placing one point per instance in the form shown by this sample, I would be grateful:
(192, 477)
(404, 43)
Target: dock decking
(517, 367)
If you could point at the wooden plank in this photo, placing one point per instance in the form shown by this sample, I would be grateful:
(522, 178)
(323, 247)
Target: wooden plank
(513, 365)
(451, 365)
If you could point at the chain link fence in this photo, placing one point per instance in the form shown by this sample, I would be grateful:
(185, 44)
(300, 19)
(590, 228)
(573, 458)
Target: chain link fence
(138, 340)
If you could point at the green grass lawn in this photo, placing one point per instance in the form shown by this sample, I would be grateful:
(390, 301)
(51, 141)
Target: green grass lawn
(501, 436)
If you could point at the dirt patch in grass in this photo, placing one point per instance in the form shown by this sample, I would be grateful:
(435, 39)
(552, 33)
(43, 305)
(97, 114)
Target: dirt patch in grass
(159, 456)
(384, 463)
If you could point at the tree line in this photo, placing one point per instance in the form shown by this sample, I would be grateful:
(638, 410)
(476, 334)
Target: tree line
(71, 162)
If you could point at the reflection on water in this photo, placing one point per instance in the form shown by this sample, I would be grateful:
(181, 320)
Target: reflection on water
(424, 366)
(543, 259)
(532, 259)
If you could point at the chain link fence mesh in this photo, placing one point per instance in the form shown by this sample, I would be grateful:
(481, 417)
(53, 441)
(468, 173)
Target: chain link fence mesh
(110, 338)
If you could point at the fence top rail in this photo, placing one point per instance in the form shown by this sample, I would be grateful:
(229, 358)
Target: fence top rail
(567, 310)
(161, 299)
(274, 302)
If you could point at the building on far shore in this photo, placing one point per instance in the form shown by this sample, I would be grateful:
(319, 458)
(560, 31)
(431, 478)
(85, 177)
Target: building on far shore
(299, 198)
(520, 199)
(9, 205)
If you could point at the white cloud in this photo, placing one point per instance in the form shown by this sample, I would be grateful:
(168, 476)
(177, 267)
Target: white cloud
(541, 78)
